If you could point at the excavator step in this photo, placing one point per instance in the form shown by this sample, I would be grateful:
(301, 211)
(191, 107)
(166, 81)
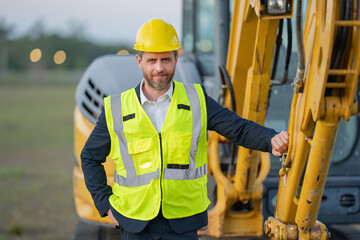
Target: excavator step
(335, 85)
(342, 71)
(347, 23)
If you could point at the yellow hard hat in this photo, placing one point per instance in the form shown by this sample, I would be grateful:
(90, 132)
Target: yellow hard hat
(156, 36)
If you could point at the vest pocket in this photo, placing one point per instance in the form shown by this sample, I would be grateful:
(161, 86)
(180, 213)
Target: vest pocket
(140, 151)
(179, 148)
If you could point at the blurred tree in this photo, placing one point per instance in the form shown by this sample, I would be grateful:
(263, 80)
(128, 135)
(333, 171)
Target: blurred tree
(5, 31)
(37, 30)
(80, 52)
(77, 29)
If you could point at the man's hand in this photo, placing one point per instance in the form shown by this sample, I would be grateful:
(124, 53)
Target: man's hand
(111, 216)
(280, 143)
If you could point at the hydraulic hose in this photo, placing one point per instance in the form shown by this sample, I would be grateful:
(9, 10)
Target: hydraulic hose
(298, 83)
(288, 55)
(226, 81)
(277, 49)
(288, 50)
(299, 79)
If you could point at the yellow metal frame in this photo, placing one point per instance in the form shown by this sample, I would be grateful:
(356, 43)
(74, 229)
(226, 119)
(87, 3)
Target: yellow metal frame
(223, 221)
(314, 122)
(249, 65)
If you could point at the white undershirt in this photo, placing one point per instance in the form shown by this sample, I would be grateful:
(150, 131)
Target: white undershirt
(156, 110)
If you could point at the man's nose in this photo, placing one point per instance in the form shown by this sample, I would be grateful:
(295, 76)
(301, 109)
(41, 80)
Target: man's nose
(159, 67)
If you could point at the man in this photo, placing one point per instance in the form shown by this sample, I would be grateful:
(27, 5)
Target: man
(156, 135)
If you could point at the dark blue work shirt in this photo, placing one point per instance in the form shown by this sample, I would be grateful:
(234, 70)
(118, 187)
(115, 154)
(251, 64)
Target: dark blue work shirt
(225, 122)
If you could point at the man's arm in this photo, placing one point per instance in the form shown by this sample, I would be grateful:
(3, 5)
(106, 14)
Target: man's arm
(93, 155)
(243, 132)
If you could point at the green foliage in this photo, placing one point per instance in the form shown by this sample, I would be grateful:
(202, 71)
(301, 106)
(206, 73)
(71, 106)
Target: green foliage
(5, 30)
(79, 52)
(14, 228)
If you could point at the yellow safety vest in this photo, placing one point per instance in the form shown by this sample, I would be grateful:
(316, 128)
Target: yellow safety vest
(152, 169)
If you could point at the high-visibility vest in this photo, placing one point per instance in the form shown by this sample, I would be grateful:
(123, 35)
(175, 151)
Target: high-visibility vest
(152, 169)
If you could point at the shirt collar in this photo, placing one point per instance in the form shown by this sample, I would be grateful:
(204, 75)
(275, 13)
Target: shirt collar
(144, 99)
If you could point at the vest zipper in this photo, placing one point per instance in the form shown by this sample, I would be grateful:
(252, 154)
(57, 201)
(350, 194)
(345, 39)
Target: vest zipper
(161, 169)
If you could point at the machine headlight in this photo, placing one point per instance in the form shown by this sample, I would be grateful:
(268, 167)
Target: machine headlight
(276, 7)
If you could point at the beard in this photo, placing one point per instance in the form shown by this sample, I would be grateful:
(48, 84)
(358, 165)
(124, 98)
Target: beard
(161, 84)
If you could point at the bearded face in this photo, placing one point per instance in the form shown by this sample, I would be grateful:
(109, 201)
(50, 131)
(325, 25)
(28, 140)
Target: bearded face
(158, 68)
(160, 80)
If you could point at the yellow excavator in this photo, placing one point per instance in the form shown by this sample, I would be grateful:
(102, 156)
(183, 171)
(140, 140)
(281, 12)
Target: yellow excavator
(324, 90)
(241, 53)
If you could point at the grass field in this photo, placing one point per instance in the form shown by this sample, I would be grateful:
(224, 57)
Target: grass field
(36, 160)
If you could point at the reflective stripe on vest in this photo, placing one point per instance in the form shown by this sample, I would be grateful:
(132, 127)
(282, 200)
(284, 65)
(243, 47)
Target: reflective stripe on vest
(185, 174)
(192, 172)
(118, 128)
(134, 180)
(131, 179)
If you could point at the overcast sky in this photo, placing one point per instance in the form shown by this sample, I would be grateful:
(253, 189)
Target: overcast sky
(102, 20)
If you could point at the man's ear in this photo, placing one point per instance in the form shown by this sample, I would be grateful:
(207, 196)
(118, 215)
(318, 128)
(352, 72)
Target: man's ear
(138, 59)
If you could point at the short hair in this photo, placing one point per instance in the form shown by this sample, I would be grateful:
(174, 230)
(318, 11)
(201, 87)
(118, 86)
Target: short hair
(140, 53)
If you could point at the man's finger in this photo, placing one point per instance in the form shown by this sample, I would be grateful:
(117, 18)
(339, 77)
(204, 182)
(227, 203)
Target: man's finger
(276, 153)
(279, 144)
(284, 137)
(111, 216)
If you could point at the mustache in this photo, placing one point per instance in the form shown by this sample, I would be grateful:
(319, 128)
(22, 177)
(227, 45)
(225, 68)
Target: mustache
(160, 74)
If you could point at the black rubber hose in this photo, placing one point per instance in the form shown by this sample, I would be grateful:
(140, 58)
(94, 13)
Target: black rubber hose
(226, 81)
(337, 42)
(345, 13)
(344, 35)
(288, 50)
(225, 78)
(277, 49)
